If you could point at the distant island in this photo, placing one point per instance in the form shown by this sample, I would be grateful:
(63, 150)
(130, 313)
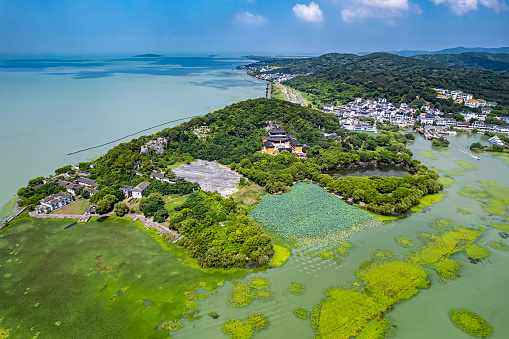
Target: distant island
(147, 56)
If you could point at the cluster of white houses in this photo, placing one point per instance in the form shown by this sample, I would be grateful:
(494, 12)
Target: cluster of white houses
(135, 192)
(404, 116)
(462, 98)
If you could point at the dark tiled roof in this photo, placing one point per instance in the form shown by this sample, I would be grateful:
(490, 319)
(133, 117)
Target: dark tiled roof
(268, 144)
(141, 186)
(277, 130)
(295, 143)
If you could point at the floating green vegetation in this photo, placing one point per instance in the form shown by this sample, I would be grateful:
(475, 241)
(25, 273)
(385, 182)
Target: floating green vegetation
(383, 255)
(441, 224)
(477, 252)
(487, 183)
(161, 273)
(502, 227)
(445, 155)
(375, 329)
(462, 211)
(173, 325)
(447, 182)
(495, 198)
(260, 286)
(308, 211)
(343, 248)
(466, 165)
(258, 283)
(348, 312)
(392, 281)
(239, 329)
(437, 170)
(203, 296)
(429, 154)
(455, 172)
(501, 155)
(498, 245)
(326, 254)
(310, 253)
(301, 313)
(8, 208)
(296, 288)
(439, 246)
(4, 333)
(213, 315)
(470, 323)
(281, 254)
(240, 295)
(427, 201)
(405, 242)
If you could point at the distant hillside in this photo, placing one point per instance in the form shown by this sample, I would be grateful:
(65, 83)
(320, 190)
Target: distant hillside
(492, 61)
(308, 65)
(401, 79)
(456, 50)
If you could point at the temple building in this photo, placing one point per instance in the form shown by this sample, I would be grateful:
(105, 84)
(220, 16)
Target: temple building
(278, 140)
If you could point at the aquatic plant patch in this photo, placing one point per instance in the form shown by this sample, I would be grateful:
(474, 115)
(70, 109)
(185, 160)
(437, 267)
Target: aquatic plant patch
(466, 165)
(343, 248)
(498, 245)
(307, 211)
(475, 251)
(439, 246)
(470, 323)
(405, 242)
(502, 227)
(245, 329)
(429, 154)
(281, 255)
(447, 182)
(240, 295)
(455, 172)
(62, 289)
(464, 212)
(326, 254)
(495, 198)
(487, 183)
(301, 313)
(427, 201)
(296, 288)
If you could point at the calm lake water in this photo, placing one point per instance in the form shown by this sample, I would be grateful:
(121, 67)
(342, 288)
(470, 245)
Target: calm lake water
(481, 287)
(53, 106)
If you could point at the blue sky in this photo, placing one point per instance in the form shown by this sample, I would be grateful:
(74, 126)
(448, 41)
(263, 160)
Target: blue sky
(248, 26)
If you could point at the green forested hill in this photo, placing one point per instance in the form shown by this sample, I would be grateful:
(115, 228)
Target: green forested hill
(491, 61)
(311, 65)
(401, 79)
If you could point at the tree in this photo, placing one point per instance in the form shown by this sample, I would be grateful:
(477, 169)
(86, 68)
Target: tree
(161, 215)
(459, 117)
(85, 194)
(121, 208)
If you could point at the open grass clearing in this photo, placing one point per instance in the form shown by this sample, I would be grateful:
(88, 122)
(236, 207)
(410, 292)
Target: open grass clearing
(78, 206)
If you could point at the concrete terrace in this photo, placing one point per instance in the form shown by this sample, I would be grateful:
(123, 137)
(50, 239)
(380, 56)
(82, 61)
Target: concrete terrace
(211, 176)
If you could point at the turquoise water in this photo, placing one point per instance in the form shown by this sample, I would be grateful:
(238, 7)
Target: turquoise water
(481, 287)
(54, 106)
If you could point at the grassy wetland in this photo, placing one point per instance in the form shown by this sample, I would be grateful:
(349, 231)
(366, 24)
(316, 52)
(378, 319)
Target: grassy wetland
(400, 278)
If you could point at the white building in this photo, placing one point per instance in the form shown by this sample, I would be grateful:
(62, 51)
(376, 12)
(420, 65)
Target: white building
(138, 190)
(53, 202)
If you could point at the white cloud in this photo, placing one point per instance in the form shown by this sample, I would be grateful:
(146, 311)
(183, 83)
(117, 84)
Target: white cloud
(386, 10)
(311, 13)
(460, 7)
(251, 19)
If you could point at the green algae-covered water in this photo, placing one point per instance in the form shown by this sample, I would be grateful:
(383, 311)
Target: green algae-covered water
(479, 287)
(128, 260)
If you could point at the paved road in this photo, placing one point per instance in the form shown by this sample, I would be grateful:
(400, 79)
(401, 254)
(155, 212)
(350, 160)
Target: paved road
(293, 96)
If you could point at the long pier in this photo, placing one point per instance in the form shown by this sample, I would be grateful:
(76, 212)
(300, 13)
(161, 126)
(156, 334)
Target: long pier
(9, 219)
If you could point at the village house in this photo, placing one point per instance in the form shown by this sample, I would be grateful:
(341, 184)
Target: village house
(87, 182)
(128, 190)
(91, 190)
(53, 202)
(139, 189)
(161, 177)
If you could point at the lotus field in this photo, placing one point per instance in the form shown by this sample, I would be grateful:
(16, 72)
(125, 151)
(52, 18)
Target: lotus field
(307, 211)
